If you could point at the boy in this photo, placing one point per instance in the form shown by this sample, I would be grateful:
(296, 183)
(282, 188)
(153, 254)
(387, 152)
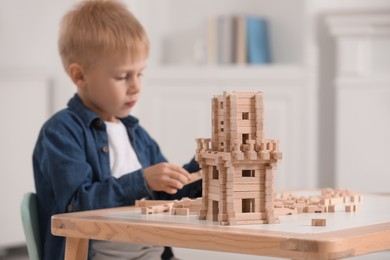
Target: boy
(93, 154)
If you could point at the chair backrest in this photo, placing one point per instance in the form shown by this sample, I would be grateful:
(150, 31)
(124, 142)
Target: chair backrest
(30, 221)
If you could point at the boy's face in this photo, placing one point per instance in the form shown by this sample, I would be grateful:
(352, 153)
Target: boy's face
(111, 86)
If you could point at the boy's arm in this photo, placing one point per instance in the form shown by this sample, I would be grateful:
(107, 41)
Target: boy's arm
(155, 156)
(61, 163)
(192, 166)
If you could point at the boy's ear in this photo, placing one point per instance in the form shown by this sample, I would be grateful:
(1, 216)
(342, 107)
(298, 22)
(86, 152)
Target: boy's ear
(76, 73)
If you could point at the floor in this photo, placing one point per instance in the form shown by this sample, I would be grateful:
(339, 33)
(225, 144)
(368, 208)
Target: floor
(15, 253)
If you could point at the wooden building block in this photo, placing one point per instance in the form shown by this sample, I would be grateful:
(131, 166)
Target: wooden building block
(148, 203)
(355, 198)
(155, 209)
(195, 177)
(318, 222)
(180, 211)
(350, 208)
(337, 200)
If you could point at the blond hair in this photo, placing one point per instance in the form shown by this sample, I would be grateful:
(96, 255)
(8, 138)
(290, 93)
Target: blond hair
(100, 27)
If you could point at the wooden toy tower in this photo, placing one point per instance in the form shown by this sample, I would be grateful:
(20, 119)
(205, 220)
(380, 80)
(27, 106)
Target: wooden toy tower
(238, 165)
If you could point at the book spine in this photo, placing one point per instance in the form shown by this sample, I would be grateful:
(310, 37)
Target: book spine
(257, 41)
(239, 40)
(225, 39)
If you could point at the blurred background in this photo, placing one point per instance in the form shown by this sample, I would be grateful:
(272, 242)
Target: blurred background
(326, 86)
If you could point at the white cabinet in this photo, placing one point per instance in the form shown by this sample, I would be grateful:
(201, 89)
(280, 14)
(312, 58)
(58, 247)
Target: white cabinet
(24, 102)
(362, 99)
(175, 107)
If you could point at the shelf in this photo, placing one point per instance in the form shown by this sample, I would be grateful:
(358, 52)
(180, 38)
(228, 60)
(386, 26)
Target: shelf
(233, 73)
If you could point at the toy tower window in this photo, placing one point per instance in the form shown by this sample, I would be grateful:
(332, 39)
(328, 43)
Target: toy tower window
(245, 116)
(248, 205)
(215, 173)
(245, 137)
(248, 173)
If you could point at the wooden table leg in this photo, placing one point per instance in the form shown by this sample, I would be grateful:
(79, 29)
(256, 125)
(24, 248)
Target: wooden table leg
(76, 248)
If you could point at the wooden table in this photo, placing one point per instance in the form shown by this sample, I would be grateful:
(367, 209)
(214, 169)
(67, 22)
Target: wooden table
(346, 234)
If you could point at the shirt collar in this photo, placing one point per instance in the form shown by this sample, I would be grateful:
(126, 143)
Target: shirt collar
(89, 117)
(77, 106)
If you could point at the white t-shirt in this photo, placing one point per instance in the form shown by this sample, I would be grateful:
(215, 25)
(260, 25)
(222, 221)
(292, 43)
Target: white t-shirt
(123, 158)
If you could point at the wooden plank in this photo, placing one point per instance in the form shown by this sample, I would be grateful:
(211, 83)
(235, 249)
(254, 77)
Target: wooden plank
(247, 180)
(248, 195)
(245, 129)
(149, 203)
(249, 109)
(246, 123)
(250, 166)
(248, 187)
(195, 177)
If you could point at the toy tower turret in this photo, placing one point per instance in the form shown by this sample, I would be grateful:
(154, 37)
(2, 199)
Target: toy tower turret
(238, 165)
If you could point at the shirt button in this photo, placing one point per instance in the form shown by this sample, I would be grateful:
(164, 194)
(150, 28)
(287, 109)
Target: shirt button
(69, 207)
(105, 149)
(99, 123)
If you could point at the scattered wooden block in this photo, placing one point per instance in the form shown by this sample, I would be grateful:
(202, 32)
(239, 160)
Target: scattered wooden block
(155, 209)
(318, 222)
(331, 208)
(350, 208)
(195, 177)
(180, 211)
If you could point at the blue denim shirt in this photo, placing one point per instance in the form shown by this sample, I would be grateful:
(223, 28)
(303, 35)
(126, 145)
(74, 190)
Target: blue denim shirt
(72, 169)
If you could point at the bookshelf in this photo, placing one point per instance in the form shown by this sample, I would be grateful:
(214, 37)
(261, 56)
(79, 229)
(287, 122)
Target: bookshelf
(178, 28)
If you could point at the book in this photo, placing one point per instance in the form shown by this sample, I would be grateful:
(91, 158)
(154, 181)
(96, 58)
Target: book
(257, 40)
(239, 40)
(225, 39)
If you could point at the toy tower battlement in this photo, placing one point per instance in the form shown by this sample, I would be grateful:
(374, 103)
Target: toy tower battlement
(238, 165)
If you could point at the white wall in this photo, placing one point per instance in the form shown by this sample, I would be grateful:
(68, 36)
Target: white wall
(28, 33)
(28, 42)
(22, 117)
(30, 71)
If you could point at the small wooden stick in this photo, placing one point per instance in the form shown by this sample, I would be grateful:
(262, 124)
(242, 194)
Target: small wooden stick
(196, 176)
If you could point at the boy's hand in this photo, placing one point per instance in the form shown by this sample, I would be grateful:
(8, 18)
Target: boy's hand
(166, 177)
